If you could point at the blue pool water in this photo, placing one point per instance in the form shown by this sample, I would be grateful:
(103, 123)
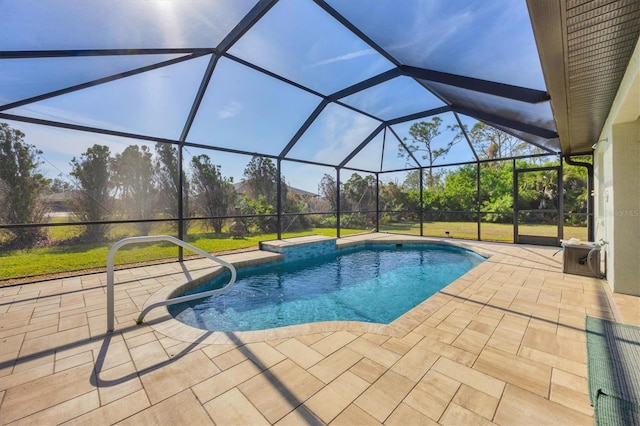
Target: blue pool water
(372, 285)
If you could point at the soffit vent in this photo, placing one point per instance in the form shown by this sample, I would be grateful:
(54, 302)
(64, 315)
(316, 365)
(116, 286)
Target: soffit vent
(601, 37)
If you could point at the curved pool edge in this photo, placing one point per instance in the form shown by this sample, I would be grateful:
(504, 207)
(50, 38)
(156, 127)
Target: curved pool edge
(405, 239)
(161, 321)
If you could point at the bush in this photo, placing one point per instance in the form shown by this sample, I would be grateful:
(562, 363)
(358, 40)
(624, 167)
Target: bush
(500, 210)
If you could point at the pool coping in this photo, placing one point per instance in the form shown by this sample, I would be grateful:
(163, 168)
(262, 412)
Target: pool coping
(163, 322)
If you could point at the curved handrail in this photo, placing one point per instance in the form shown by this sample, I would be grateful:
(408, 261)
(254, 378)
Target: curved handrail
(155, 238)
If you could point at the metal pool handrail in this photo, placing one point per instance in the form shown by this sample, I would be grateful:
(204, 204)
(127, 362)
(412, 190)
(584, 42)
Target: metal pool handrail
(175, 300)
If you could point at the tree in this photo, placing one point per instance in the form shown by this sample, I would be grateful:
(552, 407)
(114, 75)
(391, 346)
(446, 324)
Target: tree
(360, 194)
(496, 191)
(92, 201)
(575, 192)
(328, 190)
(261, 195)
(411, 187)
(168, 183)
(491, 143)
(422, 139)
(21, 186)
(294, 207)
(261, 177)
(215, 194)
(134, 181)
(459, 191)
(412, 180)
(393, 200)
(59, 185)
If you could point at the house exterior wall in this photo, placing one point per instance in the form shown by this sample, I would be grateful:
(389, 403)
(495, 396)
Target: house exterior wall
(617, 184)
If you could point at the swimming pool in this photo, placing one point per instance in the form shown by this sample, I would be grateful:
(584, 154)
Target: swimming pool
(376, 284)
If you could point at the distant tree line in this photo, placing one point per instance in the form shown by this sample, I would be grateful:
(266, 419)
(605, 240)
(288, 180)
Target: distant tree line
(447, 191)
(141, 184)
(451, 194)
(137, 184)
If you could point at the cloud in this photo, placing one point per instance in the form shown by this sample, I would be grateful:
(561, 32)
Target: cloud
(342, 131)
(345, 57)
(432, 26)
(231, 109)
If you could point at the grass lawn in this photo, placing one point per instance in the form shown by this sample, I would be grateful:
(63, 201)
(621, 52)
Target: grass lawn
(66, 258)
(502, 232)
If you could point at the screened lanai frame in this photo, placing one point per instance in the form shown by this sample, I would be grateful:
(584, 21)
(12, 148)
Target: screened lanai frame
(521, 111)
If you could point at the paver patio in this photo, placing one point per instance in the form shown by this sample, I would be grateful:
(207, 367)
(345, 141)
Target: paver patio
(504, 344)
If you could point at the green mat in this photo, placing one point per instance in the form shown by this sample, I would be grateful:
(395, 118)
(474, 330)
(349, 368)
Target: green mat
(613, 364)
(613, 411)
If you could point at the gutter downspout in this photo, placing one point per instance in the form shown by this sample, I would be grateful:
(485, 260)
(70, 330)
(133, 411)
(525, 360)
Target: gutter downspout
(590, 185)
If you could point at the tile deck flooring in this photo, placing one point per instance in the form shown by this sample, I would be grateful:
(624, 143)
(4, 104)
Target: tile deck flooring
(504, 344)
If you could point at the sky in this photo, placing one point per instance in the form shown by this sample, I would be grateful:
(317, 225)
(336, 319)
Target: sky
(244, 109)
